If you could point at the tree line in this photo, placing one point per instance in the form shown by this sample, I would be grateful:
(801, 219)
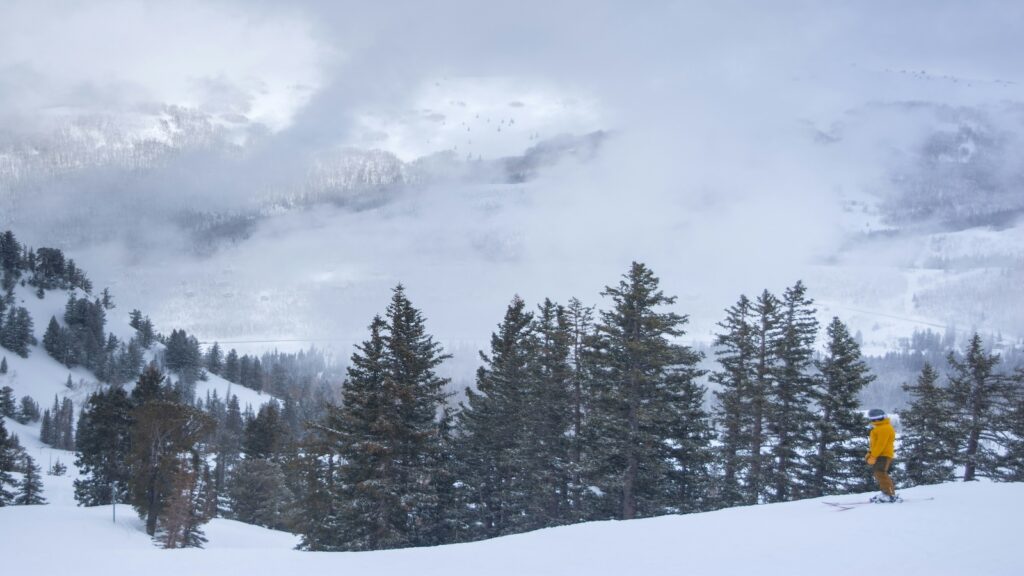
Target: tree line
(577, 414)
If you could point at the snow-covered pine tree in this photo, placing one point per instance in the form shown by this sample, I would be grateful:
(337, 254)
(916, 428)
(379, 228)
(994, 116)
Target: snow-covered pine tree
(637, 385)
(928, 446)
(790, 415)
(837, 462)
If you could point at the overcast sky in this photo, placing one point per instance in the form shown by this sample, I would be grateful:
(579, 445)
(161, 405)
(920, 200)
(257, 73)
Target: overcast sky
(718, 171)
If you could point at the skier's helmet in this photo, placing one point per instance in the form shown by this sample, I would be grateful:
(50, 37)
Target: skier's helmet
(876, 414)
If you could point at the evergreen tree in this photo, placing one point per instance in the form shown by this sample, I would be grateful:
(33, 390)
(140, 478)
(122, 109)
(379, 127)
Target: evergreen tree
(264, 433)
(388, 433)
(837, 464)
(214, 359)
(8, 407)
(29, 411)
(928, 445)
(259, 494)
(766, 333)
(790, 414)
(30, 489)
(3, 365)
(975, 392)
(736, 351)
(7, 449)
(149, 386)
(231, 368)
(187, 506)
(55, 342)
(161, 432)
(1011, 462)
(312, 473)
(640, 376)
(547, 457)
(581, 322)
(103, 447)
(46, 428)
(493, 425)
(16, 331)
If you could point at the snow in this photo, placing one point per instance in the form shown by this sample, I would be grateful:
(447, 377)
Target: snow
(967, 529)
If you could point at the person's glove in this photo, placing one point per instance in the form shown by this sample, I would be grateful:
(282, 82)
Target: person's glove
(871, 460)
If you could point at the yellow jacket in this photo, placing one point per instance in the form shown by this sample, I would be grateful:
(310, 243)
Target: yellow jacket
(883, 439)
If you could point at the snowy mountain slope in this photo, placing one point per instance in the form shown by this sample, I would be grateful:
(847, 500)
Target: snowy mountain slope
(43, 378)
(967, 529)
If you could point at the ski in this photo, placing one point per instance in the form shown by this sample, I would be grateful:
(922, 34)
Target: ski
(844, 506)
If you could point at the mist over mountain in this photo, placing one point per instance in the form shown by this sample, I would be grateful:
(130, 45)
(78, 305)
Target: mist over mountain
(250, 197)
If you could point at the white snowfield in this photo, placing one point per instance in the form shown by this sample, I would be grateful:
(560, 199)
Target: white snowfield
(968, 529)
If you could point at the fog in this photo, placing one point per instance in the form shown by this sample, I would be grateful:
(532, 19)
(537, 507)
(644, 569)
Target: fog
(747, 146)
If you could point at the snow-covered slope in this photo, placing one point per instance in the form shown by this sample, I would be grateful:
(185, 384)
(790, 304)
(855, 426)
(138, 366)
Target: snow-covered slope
(966, 529)
(43, 378)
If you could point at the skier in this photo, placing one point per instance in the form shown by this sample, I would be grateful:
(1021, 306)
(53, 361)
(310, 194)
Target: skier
(881, 449)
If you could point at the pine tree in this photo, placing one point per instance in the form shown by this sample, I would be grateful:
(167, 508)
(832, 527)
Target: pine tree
(161, 431)
(312, 472)
(46, 428)
(388, 433)
(493, 425)
(837, 464)
(581, 322)
(975, 391)
(928, 445)
(736, 352)
(1011, 463)
(265, 433)
(8, 407)
(767, 329)
(790, 414)
(187, 504)
(547, 459)
(29, 411)
(30, 489)
(103, 447)
(639, 379)
(231, 369)
(3, 365)
(259, 494)
(55, 342)
(149, 387)
(214, 359)
(6, 466)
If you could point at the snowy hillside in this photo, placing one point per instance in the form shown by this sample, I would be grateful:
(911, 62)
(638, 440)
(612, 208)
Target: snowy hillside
(966, 529)
(42, 377)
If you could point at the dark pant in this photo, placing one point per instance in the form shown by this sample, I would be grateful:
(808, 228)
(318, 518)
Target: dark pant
(881, 471)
